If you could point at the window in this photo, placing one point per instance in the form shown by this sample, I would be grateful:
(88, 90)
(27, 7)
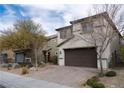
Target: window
(87, 27)
(62, 34)
(65, 34)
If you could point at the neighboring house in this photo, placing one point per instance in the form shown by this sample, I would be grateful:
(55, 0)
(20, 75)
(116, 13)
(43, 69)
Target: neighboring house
(24, 55)
(47, 53)
(7, 56)
(75, 51)
(16, 55)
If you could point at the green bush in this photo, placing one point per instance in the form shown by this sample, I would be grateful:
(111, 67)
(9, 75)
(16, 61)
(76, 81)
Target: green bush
(91, 82)
(110, 74)
(94, 82)
(98, 85)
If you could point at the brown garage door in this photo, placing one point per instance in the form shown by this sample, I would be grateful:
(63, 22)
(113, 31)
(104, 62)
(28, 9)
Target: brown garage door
(85, 57)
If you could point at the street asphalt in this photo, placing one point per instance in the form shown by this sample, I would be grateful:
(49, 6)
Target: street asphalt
(2, 86)
(10, 80)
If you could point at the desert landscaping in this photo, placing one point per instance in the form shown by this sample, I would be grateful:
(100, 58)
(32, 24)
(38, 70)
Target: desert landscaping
(62, 75)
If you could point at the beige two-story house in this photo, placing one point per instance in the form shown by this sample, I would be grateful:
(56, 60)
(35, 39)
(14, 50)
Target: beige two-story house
(77, 46)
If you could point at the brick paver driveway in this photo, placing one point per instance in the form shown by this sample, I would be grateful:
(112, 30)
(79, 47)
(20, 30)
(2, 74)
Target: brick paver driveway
(70, 76)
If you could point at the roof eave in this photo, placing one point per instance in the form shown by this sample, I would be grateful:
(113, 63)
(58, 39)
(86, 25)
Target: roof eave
(58, 29)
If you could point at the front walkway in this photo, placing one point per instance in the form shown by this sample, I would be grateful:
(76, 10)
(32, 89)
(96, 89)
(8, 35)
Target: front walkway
(15, 81)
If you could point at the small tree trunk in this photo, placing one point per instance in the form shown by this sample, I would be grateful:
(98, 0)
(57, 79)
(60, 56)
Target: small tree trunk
(36, 63)
(101, 67)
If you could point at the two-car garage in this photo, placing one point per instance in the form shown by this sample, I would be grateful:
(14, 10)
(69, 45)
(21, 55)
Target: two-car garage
(85, 57)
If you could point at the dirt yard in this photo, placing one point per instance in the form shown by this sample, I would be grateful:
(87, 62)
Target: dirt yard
(15, 71)
(114, 82)
(19, 70)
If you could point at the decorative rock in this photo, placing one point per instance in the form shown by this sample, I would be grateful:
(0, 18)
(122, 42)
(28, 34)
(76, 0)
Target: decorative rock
(33, 69)
(113, 86)
(4, 65)
(15, 65)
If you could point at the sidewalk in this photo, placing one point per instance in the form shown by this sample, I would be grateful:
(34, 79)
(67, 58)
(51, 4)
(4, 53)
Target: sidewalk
(15, 81)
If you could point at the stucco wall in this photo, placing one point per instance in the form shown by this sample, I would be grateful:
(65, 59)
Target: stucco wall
(106, 57)
(115, 44)
(52, 43)
(82, 44)
(49, 46)
(76, 42)
(10, 55)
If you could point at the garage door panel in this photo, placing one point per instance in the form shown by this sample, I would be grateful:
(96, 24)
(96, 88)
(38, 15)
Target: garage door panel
(81, 57)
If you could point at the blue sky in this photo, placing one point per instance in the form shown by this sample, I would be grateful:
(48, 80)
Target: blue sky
(49, 16)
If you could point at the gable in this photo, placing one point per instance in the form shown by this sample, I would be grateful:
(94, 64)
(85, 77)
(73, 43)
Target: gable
(75, 42)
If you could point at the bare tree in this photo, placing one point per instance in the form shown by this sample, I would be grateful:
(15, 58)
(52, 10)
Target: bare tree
(115, 12)
(103, 35)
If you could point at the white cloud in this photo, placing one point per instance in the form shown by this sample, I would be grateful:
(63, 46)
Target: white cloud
(75, 12)
(4, 26)
(40, 14)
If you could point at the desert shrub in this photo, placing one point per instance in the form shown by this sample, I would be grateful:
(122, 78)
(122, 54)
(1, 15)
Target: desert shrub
(29, 65)
(15, 65)
(24, 71)
(41, 64)
(96, 78)
(110, 74)
(9, 66)
(23, 64)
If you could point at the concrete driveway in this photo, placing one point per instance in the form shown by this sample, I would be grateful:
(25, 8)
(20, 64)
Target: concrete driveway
(70, 76)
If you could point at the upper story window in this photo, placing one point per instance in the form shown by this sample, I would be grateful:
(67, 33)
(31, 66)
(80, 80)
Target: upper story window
(64, 34)
(87, 27)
